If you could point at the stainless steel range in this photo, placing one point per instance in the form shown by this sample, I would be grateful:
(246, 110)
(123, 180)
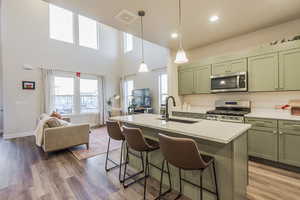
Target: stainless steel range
(229, 111)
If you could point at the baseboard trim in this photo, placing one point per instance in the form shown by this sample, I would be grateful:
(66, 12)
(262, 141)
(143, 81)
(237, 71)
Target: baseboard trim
(275, 164)
(17, 135)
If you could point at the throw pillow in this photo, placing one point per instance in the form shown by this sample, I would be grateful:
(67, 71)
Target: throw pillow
(53, 122)
(55, 114)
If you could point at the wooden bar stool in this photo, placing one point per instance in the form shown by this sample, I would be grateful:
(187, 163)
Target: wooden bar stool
(135, 141)
(184, 154)
(115, 133)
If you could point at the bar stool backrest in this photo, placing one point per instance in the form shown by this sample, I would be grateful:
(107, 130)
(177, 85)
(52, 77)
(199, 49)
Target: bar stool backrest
(181, 152)
(114, 130)
(135, 139)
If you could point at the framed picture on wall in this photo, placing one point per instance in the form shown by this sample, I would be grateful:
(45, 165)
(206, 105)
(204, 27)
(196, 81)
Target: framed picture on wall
(28, 85)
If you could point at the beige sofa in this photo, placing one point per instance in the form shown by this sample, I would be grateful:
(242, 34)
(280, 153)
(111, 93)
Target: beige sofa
(59, 138)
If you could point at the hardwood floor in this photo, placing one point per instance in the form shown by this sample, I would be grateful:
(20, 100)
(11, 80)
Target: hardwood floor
(26, 174)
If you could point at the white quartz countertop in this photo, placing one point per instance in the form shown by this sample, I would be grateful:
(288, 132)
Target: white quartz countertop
(273, 114)
(221, 132)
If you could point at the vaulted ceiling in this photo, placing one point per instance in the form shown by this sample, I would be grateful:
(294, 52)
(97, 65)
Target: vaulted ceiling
(236, 17)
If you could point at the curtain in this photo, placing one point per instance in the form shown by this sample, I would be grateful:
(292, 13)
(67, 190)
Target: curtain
(122, 96)
(48, 94)
(101, 100)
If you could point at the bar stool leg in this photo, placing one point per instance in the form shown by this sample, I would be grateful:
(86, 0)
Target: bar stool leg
(161, 180)
(169, 175)
(201, 186)
(106, 169)
(126, 161)
(216, 181)
(146, 175)
(180, 186)
(121, 160)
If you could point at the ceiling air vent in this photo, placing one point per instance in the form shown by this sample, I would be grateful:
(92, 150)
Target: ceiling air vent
(126, 17)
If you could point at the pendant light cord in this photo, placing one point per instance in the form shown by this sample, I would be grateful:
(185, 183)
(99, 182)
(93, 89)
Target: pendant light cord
(179, 22)
(142, 33)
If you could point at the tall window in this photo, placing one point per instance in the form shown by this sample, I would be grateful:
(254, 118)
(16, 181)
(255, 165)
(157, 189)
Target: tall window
(88, 32)
(128, 88)
(88, 95)
(64, 95)
(73, 95)
(163, 88)
(128, 42)
(61, 24)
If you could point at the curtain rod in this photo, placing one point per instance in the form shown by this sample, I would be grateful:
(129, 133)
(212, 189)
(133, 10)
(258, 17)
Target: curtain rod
(61, 70)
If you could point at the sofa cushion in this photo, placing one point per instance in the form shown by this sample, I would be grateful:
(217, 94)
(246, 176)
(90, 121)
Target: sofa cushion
(54, 122)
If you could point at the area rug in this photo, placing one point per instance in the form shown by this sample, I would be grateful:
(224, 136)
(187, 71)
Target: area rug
(98, 145)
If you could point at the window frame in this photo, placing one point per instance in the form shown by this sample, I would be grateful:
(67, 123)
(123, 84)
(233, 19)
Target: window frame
(125, 42)
(72, 41)
(98, 95)
(77, 93)
(127, 96)
(97, 32)
(160, 94)
(74, 95)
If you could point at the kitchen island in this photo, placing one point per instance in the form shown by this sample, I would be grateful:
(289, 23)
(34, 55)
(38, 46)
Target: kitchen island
(227, 142)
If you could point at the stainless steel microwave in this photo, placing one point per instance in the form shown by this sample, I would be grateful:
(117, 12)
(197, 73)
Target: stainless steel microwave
(229, 83)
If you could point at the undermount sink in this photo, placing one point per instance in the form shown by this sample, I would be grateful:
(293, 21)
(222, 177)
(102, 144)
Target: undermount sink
(180, 120)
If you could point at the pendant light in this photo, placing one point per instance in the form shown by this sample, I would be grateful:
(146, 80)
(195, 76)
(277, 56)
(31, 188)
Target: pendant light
(143, 65)
(181, 55)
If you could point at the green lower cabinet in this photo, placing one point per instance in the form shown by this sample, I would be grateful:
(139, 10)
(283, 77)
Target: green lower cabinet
(289, 145)
(263, 144)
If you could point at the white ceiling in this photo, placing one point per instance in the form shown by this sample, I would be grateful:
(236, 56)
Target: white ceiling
(236, 17)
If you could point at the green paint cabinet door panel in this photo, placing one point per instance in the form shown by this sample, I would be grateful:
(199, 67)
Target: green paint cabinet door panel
(202, 79)
(289, 69)
(289, 144)
(238, 66)
(263, 73)
(220, 68)
(263, 144)
(186, 81)
(229, 67)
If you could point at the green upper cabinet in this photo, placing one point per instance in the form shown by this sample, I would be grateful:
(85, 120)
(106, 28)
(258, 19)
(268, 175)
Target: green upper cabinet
(230, 67)
(194, 79)
(263, 73)
(186, 81)
(202, 79)
(289, 70)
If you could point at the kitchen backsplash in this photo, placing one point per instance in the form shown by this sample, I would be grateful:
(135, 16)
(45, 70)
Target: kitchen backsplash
(258, 99)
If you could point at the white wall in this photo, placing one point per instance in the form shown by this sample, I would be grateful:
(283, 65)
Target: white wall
(156, 57)
(230, 46)
(25, 40)
(1, 75)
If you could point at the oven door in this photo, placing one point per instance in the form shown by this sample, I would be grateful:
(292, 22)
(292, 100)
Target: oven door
(229, 83)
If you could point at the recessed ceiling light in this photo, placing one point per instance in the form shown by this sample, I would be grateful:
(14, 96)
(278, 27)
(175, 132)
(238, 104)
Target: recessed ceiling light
(174, 35)
(214, 18)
